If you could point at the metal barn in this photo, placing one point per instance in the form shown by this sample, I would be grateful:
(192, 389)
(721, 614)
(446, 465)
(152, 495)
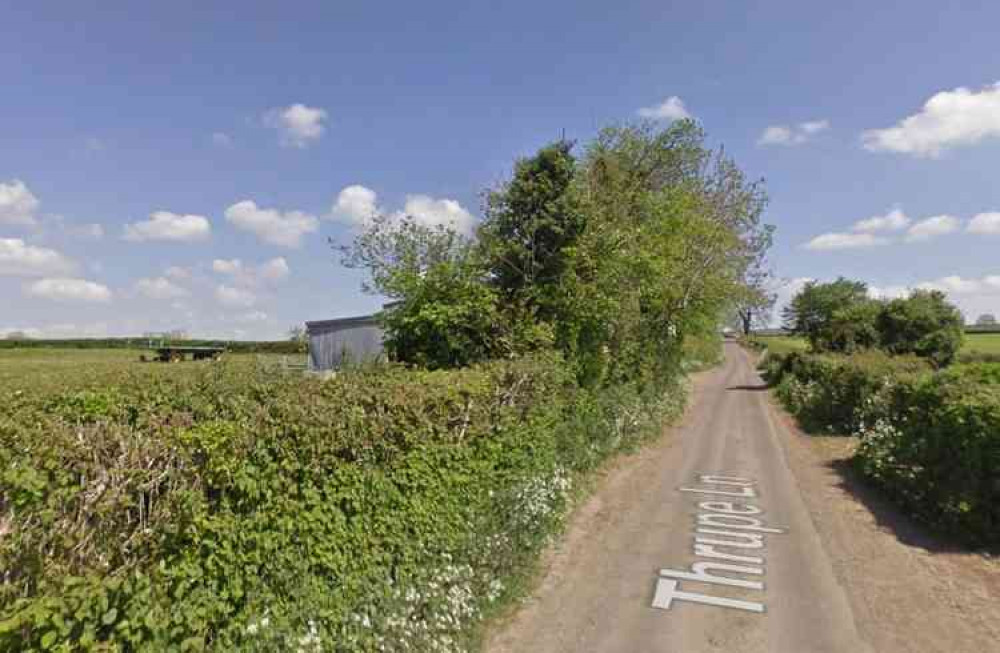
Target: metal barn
(346, 340)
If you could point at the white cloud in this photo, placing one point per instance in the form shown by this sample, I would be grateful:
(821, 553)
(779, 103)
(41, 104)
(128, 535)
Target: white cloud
(299, 125)
(222, 139)
(160, 288)
(235, 297)
(250, 276)
(888, 292)
(177, 272)
(833, 241)
(948, 119)
(70, 290)
(894, 220)
(18, 259)
(814, 126)
(430, 211)
(985, 223)
(60, 330)
(17, 204)
(792, 134)
(670, 109)
(230, 266)
(954, 284)
(270, 225)
(928, 228)
(355, 204)
(252, 316)
(274, 270)
(164, 225)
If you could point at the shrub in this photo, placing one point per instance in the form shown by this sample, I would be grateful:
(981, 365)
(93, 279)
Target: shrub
(937, 451)
(924, 324)
(931, 440)
(225, 511)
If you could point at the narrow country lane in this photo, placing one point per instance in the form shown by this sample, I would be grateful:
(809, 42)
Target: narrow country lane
(710, 541)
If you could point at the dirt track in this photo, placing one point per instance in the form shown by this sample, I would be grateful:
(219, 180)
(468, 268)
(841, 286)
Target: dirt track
(846, 572)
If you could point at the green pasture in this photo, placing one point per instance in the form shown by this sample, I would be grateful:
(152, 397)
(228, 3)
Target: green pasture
(980, 343)
(55, 367)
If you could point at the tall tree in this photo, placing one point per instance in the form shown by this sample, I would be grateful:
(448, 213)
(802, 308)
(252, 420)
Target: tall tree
(529, 223)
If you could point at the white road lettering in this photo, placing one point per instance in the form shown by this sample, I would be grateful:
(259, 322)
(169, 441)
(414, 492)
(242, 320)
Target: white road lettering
(734, 528)
(666, 592)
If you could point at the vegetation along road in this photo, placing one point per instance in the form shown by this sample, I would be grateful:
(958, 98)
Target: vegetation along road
(737, 533)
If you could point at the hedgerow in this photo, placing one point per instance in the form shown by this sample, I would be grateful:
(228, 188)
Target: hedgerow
(378, 510)
(931, 440)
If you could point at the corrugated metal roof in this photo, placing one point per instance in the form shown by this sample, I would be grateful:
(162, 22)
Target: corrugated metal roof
(340, 323)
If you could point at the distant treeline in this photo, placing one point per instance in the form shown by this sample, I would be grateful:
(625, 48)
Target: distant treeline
(236, 346)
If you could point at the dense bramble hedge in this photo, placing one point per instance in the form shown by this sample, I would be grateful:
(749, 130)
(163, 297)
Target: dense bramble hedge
(377, 510)
(931, 440)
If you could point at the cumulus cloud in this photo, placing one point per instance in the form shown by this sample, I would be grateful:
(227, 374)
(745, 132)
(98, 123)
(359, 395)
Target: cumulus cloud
(252, 316)
(18, 205)
(957, 285)
(928, 228)
(894, 220)
(792, 134)
(274, 270)
(270, 271)
(18, 259)
(270, 225)
(887, 292)
(230, 266)
(164, 225)
(985, 223)
(159, 288)
(177, 272)
(232, 297)
(834, 241)
(298, 125)
(670, 109)
(430, 211)
(70, 290)
(867, 232)
(949, 119)
(355, 204)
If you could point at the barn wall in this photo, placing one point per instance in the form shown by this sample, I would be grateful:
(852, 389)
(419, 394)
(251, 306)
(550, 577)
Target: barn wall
(332, 344)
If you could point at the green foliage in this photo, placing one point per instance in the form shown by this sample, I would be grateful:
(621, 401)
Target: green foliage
(615, 259)
(811, 312)
(449, 318)
(220, 510)
(931, 440)
(529, 224)
(855, 327)
(445, 315)
(925, 324)
(839, 317)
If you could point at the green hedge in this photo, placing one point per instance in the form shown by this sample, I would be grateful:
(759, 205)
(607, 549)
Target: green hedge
(931, 440)
(378, 510)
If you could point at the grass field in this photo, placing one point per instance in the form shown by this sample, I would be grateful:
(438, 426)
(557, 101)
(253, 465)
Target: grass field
(85, 368)
(985, 343)
(980, 343)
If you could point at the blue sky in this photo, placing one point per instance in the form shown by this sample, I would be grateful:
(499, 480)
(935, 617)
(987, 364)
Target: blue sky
(144, 150)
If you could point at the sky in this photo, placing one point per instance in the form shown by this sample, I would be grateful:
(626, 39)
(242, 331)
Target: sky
(186, 165)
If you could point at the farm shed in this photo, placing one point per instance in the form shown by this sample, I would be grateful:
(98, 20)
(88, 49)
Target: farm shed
(348, 339)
